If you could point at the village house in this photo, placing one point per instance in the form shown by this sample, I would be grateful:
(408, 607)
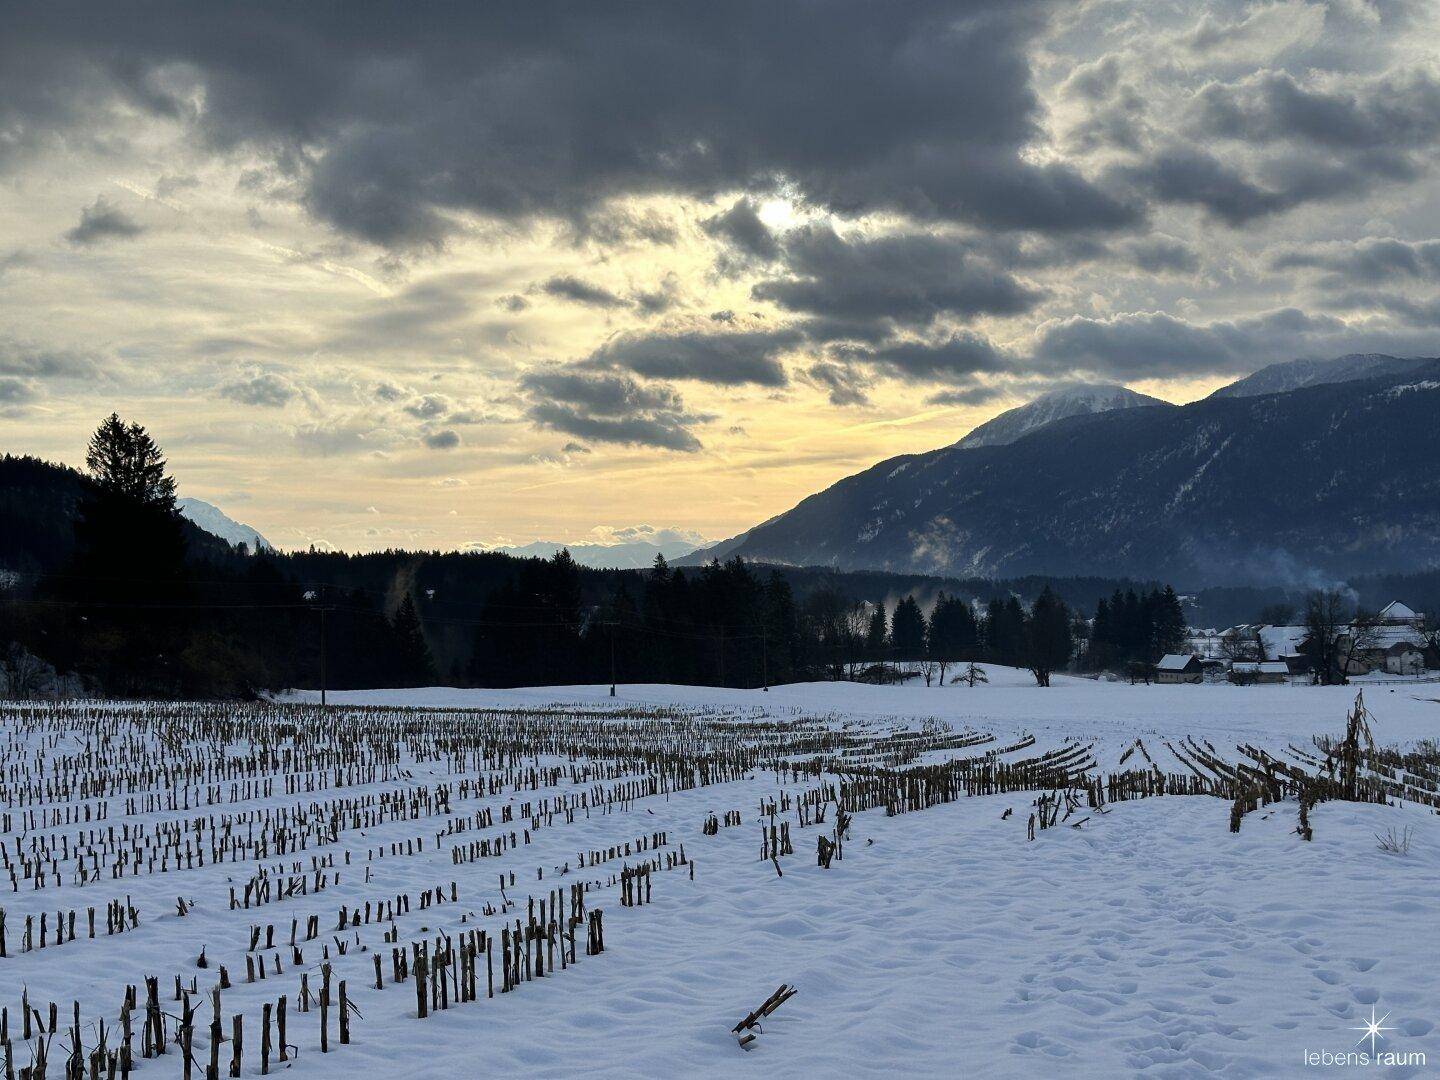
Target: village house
(1179, 668)
(1393, 641)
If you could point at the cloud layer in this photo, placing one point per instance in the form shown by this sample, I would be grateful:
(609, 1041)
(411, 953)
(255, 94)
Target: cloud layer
(734, 249)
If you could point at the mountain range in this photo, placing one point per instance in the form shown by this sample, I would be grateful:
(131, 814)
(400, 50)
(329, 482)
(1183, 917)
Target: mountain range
(626, 555)
(1301, 473)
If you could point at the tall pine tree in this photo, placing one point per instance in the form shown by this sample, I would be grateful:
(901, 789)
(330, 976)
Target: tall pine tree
(413, 664)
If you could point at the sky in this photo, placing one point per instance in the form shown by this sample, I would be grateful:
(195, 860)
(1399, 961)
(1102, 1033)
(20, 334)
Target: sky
(446, 276)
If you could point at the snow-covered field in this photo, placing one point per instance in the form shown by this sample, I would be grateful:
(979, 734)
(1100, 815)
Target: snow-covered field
(1148, 941)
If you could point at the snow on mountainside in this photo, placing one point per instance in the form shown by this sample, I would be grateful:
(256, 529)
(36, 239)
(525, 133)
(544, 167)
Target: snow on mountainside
(217, 523)
(1295, 374)
(1228, 489)
(1056, 405)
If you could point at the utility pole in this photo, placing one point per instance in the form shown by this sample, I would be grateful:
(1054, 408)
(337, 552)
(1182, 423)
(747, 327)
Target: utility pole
(323, 652)
(765, 659)
(318, 595)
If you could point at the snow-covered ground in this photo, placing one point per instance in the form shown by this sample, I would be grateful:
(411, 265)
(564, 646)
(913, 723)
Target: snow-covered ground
(1150, 941)
(1111, 714)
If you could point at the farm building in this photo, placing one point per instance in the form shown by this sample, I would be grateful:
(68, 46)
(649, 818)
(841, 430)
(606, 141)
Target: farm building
(1403, 658)
(1251, 672)
(1179, 668)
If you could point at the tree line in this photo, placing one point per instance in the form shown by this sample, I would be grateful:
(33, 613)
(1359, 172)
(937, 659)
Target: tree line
(1132, 630)
(145, 604)
(134, 612)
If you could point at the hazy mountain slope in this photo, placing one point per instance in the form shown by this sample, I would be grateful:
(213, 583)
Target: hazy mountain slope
(1056, 405)
(217, 523)
(632, 555)
(1295, 374)
(1330, 479)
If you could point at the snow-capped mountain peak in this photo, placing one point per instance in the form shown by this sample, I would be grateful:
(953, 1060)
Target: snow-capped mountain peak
(1073, 400)
(217, 523)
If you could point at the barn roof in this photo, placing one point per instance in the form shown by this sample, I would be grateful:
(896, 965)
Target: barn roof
(1176, 661)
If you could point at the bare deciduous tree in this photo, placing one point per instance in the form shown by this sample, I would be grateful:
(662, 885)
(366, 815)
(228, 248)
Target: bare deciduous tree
(1242, 643)
(1325, 621)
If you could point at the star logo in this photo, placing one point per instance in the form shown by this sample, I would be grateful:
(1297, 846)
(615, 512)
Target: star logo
(1372, 1029)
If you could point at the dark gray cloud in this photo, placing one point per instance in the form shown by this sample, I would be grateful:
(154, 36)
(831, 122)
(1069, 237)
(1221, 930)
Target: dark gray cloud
(660, 299)
(100, 221)
(1422, 313)
(1301, 141)
(609, 407)
(905, 279)
(1237, 195)
(1198, 178)
(15, 391)
(1371, 261)
(392, 121)
(1400, 110)
(727, 359)
(844, 384)
(646, 302)
(36, 362)
(571, 288)
(265, 389)
(951, 360)
(1158, 345)
(1160, 254)
(617, 226)
(442, 440)
(741, 227)
(979, 394)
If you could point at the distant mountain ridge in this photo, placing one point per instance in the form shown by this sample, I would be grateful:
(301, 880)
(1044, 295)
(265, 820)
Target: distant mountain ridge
(1295, 374)
(631, 555)
(1057, 405)
(1285, 487)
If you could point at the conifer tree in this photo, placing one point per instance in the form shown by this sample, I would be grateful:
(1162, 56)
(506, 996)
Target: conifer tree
(413, 664)
(877, 636)
(907, 630)
(125, 461)
(1048, 643)
(127, 574)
